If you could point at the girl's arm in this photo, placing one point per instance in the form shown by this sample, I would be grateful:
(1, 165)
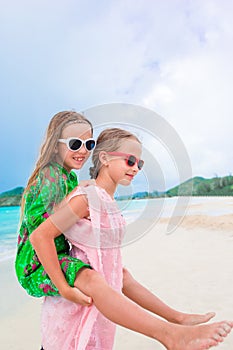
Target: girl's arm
(42, 239)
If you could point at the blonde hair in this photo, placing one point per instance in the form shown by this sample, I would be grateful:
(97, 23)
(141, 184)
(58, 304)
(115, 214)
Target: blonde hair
(47, 152)
(109, 140)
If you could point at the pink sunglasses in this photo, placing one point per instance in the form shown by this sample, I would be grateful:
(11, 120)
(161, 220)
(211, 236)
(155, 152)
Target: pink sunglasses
(130, 159)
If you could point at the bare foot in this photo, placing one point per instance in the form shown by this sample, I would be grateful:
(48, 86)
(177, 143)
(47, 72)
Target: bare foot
(198, 337)
(194, 319)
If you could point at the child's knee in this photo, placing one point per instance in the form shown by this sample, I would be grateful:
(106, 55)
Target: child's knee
(90, 278)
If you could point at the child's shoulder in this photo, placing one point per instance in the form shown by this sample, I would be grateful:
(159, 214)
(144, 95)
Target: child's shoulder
(50, 169)
(78, 191)
(54, 172)
(93, 193)
(47, 177)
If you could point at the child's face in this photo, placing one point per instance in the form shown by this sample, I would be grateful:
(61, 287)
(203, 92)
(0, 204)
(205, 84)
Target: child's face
(70, 159)
(120, 171)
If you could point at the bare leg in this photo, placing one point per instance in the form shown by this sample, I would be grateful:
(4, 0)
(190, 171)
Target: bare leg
(143, 297)
(120, 310)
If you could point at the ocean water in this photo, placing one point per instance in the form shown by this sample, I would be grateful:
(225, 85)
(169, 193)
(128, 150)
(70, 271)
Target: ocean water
(132, 210)
(166, 207)
(9, 218)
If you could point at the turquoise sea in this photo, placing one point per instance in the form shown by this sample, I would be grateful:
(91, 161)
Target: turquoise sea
(9, 218)
(132, 211)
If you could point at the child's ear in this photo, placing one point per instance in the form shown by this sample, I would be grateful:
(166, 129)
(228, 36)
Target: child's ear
(103, 157)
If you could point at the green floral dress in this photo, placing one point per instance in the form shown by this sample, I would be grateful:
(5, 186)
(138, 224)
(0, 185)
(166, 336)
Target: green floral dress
(51, 186)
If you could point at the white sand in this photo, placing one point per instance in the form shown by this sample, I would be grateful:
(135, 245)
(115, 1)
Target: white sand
(191, 270)
(20, 313)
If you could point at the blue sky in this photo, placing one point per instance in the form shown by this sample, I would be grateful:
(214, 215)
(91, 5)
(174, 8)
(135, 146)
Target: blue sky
(173, 57)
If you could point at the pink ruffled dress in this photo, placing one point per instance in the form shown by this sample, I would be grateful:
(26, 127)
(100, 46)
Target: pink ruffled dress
(96, 241)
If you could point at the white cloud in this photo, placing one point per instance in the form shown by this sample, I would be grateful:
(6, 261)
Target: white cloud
(194, 94)
(193, 91)
(174, 57)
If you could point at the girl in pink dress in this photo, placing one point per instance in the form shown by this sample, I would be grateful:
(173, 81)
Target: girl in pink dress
(96, 240)
(94, 226)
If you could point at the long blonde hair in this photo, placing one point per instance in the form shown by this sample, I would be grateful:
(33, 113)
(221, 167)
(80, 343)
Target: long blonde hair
(57, 124)
(109, 140)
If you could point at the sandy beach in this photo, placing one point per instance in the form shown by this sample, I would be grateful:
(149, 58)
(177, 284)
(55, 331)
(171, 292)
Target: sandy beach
(190, 269)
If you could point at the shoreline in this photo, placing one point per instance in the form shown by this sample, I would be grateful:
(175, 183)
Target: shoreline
(149, 197)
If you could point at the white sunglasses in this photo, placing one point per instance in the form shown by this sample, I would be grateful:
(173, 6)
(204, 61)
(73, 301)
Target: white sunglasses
(74, 144)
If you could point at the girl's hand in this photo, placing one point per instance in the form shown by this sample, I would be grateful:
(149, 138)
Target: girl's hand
(86, 183)
(76, 296)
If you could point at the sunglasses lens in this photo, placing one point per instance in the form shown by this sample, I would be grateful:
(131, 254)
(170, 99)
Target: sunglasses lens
(75, 144)
(131, 161)
(140, 164)
(90, 145)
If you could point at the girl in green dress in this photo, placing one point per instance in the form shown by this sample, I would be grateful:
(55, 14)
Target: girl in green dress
(68, 144)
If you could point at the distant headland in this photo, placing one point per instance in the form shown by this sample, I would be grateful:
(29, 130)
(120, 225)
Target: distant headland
(11, 198)
(196, 186)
